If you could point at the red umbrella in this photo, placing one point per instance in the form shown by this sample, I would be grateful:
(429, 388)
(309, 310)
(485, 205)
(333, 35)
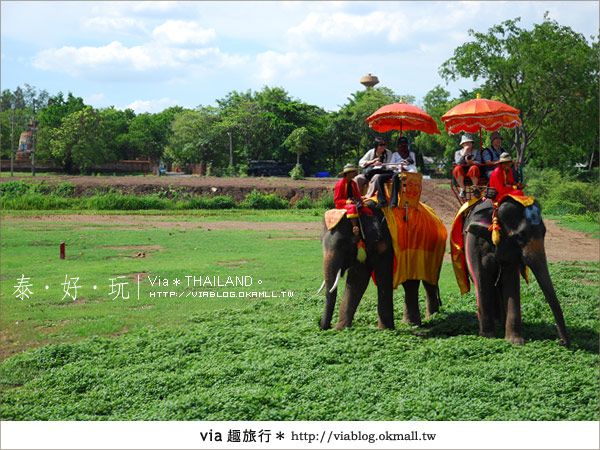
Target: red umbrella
(402, 116)
(479, 114)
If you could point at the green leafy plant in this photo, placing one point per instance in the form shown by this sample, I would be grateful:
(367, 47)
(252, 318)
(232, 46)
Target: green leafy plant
(256, 200)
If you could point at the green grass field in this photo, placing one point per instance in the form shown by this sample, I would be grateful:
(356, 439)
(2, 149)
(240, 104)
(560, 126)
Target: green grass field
(191, 358)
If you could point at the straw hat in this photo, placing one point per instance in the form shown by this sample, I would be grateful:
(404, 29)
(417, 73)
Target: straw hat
(505, 157)
(348, 168)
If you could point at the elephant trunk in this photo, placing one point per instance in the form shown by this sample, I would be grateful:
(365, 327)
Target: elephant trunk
(534, 255)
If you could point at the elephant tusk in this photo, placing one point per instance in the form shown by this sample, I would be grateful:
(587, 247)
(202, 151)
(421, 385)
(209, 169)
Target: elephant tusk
(321, 288)
(337, 280)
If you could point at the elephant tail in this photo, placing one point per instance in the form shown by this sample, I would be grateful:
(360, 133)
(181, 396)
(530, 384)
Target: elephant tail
(437, 293)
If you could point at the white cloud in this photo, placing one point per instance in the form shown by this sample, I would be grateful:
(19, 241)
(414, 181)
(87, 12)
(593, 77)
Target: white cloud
(95, 100)
(116, 60)
(115, 24)
(160, 6)
(339, 26)
(151, 106)
(272, 65)
(181, 32)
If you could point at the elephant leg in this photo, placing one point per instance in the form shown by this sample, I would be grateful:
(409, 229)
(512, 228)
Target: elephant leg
(412, 315)
(433, 299)
(332, 264)
(484, 271)
(511, 293)
(384, 276)
(356, 285)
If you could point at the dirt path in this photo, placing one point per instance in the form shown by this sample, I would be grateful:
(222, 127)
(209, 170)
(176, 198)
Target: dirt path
(561, 244)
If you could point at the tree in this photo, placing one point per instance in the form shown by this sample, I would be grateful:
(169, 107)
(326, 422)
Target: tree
(439, 146)
(349, 130)
(50, 118)
(80, 141)
(297, 142)
(116, 124)
(241, 116)
(537, 71)
(149, 133)
(195, 136)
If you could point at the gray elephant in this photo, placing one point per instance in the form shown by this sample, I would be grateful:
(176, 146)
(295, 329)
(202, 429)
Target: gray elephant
(495, 269)
(340, 256)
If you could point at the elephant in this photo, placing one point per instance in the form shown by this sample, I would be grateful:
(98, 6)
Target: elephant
(340, 256)
(495, 269)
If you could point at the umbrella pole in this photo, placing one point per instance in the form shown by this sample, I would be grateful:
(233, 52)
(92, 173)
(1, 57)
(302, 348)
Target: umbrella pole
(480, 142)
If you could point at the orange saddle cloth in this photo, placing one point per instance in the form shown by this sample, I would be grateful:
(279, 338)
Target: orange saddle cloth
(419, 243)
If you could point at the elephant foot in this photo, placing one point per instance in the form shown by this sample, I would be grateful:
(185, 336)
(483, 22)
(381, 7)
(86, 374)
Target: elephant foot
(515, 340)
(488, 334)
(324, 325)
(383, 326)
(411, 322)
(340, 326)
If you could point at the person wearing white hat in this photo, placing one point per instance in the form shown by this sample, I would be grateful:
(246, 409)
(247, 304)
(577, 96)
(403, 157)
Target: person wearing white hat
(467, 163)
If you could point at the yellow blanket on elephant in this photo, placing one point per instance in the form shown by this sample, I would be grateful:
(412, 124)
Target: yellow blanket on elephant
(419, 243)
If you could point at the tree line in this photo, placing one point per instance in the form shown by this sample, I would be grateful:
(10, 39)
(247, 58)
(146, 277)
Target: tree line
(549, 73)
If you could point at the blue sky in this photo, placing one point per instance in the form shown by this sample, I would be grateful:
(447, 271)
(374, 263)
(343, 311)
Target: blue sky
(151, 55)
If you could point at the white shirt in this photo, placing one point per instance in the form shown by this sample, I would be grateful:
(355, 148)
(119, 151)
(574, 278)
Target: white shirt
(370, 155)
(396, 158)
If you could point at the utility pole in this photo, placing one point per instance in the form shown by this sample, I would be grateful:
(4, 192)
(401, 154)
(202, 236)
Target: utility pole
(12, 140)
(34, 137)
(230, 150)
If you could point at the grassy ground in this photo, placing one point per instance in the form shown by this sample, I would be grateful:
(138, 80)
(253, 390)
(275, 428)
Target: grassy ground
(190, 358)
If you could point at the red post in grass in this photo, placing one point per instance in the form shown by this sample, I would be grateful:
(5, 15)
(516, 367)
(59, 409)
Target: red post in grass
(62, 250)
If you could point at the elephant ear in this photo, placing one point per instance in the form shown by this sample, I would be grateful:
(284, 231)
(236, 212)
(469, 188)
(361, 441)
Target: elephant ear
(479, 229)
(479, 220)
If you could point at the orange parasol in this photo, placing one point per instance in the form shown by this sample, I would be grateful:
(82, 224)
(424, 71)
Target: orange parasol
(479, 114)
(402, 116)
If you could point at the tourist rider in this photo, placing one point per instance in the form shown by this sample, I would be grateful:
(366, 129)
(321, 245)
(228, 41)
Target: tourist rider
(347, 196)
(492, 153)
(403, 160)
(470, 158)
(502, 179)
(373, 164)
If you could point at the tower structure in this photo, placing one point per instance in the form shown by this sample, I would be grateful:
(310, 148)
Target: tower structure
(369, 81)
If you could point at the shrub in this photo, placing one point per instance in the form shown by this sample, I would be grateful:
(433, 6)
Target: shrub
(304, 203)
(297, 173)
(326, 202)
(559, 193)
(217, 202)
(64, 189)
(577, 192)
(113, 201)
(256, 200)
(14, 188)
(561, 207)
(36, 201)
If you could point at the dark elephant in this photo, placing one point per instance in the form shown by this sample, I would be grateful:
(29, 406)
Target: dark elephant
(339, 256)
(495, 269)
